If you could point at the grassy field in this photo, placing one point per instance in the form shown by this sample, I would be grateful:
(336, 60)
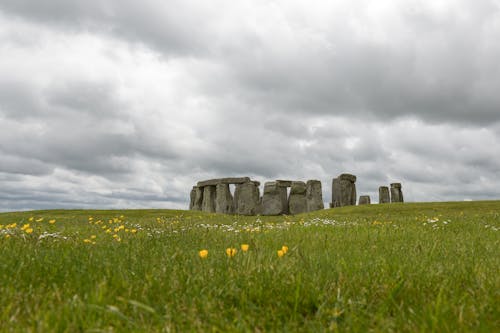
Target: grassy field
(430, 267)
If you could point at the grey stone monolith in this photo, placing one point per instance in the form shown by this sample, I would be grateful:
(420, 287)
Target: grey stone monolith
(196, 198)
(314, 195)
(336, 197)
(231, 180)
(208, 199)
(344, 190)
(364, 200)
(223, 199)
(246, 198)
(297, 202)
(192, 195)
(383, 195)
(396, 193)
(274, 199)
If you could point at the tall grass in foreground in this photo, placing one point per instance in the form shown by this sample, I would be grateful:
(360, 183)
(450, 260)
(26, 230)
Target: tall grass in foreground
(399, 267)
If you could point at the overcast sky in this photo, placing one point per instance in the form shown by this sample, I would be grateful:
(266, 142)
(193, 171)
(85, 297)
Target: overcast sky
(127, 104)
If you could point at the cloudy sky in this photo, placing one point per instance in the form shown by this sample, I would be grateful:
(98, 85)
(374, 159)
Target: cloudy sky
(126, 104)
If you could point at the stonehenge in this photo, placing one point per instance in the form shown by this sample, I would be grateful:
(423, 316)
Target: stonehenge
(247, 198)
(274, 199)
(396, 193)
(364, 200)
(383, 195)
(214, 196)
(297, 202)
(343, 191)
(314, 196)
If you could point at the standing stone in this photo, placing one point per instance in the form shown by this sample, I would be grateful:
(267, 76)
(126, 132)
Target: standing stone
(197, 201)
(274, 200)
(364, 200)
(344, 191)
(297, 202)
(396, 193)
(192, 196)
(335, 193)
(223, 199)
(209, 199)
(383, 195)
(314, 195)
(246, 198)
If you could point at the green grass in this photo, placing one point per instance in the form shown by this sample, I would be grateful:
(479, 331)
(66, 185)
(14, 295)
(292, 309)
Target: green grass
(430, 267)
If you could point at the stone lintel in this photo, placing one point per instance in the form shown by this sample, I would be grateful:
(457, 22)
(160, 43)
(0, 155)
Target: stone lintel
(233, 180)
(283, 183)
(348, 176)
(396, 185)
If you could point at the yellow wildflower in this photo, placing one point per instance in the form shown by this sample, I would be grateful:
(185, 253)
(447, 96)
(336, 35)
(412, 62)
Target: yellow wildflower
(108, 231)
(31, 219)
(93, 237)
(52, 221)
(40, 219)
(7, 236)
(203, 254)
(244, 247)
(29, 230)
(281, 253)
(133, 231)
(231, 252)
(284, 248)
(26, 226)
(87, 241)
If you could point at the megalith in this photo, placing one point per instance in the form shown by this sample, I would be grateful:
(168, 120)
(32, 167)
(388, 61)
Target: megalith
(297, 202)
(364, 200)
(335, 193)
(274, 199)
(192, 195)
(396, 193)
(344, 191)
(246, 198)
(223, 199)
(314, 195)
(209, 193)
(383, 195)
(196, 198)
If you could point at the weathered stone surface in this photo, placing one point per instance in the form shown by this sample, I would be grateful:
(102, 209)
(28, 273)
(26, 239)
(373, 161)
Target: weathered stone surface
(232, 180)
(246, 198)
(298, 188)
(314, 195)
(284, 183)
(223, 199)
(297, 202)
(396, 193)
(336, 197)
(344, 190)
(197, 200)
(364, 200)
(208, 199)
(347, 176)
(192, 195)
(383, 195)
(274, 200)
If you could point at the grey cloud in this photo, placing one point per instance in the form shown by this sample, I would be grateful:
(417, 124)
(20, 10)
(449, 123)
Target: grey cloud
(267, 91)
(440, 68)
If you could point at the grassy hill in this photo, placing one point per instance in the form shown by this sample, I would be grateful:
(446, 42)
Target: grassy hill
(430, 267)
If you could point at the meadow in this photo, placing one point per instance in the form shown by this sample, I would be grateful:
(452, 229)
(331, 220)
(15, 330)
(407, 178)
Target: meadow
(413, 267)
